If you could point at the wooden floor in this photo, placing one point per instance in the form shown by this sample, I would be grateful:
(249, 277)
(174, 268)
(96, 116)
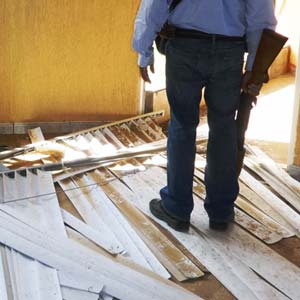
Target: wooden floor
(208, 287)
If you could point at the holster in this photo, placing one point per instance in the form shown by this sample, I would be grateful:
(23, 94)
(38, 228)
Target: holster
(166, 33)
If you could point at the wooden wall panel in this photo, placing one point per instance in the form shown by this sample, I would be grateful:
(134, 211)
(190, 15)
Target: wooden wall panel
(67, 60)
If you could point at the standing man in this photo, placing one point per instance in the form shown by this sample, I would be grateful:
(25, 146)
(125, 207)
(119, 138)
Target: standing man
(206, 51)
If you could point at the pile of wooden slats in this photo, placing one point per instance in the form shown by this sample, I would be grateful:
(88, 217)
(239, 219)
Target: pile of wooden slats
(113, 246)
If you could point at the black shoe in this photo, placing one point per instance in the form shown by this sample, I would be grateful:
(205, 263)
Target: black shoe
(158, 211)
(220, 225)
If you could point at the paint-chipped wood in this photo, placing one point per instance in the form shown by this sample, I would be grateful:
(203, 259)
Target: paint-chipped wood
(167, 253)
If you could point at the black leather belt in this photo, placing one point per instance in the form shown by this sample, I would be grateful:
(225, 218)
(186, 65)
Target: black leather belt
(195, 34)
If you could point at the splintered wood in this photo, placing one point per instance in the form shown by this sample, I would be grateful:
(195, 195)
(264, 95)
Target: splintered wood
(110, 245)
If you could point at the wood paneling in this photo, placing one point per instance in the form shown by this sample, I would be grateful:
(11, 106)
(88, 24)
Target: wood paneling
(67, 60)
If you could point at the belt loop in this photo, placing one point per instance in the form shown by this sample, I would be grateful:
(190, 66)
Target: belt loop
(213, 41)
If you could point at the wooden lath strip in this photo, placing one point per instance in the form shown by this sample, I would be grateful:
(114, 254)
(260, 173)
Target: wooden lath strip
(273, 230)
(78, 198)
(277, 185)
(268, 164)
(119, 280)
(236, 278)
(262, 259)
(290, 216)
(260, 204)
(149, 115)
(172, 258)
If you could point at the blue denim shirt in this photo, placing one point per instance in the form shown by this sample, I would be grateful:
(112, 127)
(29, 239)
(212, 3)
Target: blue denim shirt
(226, 17)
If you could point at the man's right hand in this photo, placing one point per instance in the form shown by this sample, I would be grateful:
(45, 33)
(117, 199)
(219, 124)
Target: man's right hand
(144, 72)
(249, 87)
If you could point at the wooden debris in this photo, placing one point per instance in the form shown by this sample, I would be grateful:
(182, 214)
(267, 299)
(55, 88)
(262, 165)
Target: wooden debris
(172, 258)
(290, 216)
(108, 201)
(119, 280)
(210, 256)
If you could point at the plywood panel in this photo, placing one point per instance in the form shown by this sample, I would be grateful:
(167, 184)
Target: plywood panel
(67, 60)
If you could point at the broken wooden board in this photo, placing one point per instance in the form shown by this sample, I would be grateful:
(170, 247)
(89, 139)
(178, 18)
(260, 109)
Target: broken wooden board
(84, 242)
(76, 195)
(262, 218)
(41, 212)
(260, 258)
(32, 201)
(290, 216)
(157, 177)
(276, 184)
(132, 242)
(199, 247)
(270, 165)
(120, 281)
(266, 208)
(93, 210)
(89, 232)
(170, 256)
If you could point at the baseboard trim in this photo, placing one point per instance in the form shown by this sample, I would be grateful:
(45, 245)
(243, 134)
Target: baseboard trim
(6, 128)
(48, 127)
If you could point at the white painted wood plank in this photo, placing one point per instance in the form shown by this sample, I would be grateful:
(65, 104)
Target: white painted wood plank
(72, 294)
(37, 212)
(78, 196)
(3, 289)
(105, 143)
(191, 241)
(261, 289)
(280, 224)
(138, 251)
(269, 236)
(137, 141)
(235, 279)
(95, 145)
(155, 177)
(67, 267)
(92, 234)
(270, 165)
(9, 278)
(129, 284)
(280, 187)
(266, 208)
(50, 206)
(26, 277)
(262, 218)
(48, 282)
(170, 256)
(9, 187)
(274, 268)
(83, 144)
(77, 238)
(283, 209)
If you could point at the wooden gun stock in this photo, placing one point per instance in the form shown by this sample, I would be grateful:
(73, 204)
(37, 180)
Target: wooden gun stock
(269, 47)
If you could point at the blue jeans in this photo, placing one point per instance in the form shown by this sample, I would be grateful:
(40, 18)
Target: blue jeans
(191, 65)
